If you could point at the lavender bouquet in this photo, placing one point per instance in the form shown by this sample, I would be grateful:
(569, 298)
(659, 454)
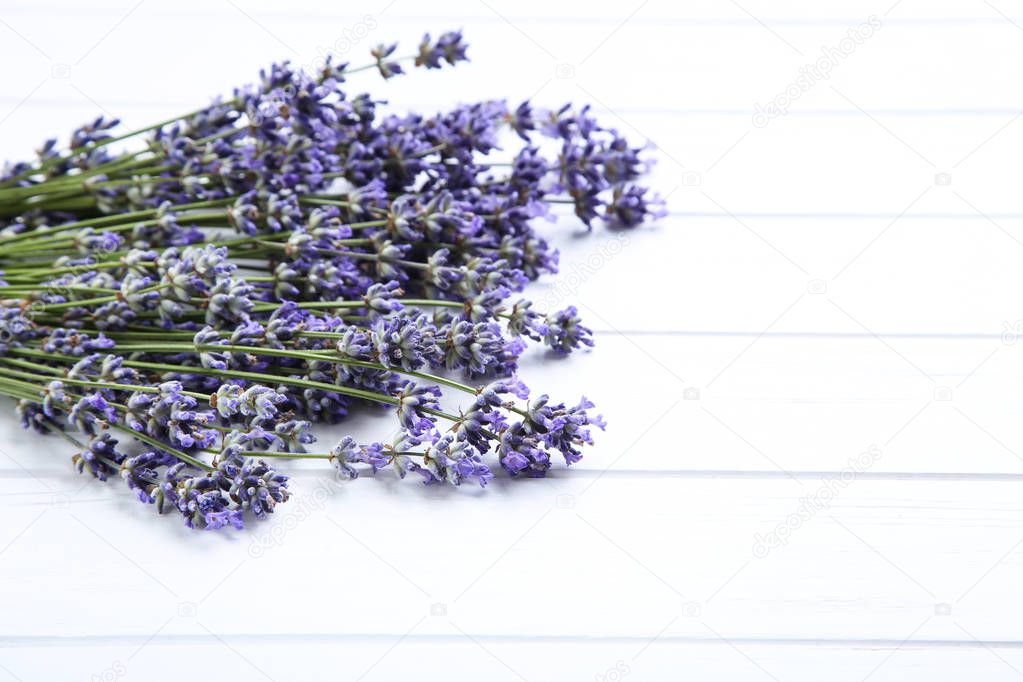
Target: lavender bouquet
(183, 311)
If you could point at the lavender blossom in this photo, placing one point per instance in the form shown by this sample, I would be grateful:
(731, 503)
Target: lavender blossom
(348, 453)
(565, 331)
(293, 251)
(100, 458)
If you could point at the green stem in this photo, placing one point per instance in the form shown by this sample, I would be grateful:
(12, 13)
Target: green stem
(232, 103)
(100, 300)
(25, 391)
(93, 384)
(102, 220)
(56, 430)
(266, 379)
(308, 356)
(183, 456)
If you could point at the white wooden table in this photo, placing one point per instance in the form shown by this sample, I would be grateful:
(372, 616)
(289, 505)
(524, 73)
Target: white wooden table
(811, 370)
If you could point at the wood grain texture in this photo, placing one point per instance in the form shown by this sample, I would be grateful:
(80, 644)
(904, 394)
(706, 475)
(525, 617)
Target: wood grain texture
(811, 370)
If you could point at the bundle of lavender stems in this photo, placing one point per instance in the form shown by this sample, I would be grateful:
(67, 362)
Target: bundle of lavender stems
(183, 311)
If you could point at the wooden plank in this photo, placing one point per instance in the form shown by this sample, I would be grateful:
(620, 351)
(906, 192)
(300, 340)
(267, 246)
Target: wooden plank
(750, 274)
(748, 403)
(706, 63)
(604, 557)
(475, 655)
(819, 292)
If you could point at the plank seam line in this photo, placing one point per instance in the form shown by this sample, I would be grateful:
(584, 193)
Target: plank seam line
(936, 336)
(576, 472)
(19, 641)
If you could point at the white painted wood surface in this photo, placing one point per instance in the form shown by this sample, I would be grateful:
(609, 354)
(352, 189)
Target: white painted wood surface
(811, 370)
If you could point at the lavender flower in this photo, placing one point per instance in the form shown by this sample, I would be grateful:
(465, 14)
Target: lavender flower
(75, 343)
(448, 47)
(408, 342)
(100, 458)
(15, 329)
(629, 207)
(565, 331)
(254, 485)
(348, 453)
(91, 413)
(141, 472)
(473, 348)
(369, 249)
(453, 462)
(380, 298)
(293, 435)
(413, 400)
(388, 69)
(169, 415)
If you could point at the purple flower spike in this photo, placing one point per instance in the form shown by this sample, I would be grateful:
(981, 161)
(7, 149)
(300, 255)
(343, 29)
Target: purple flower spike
(293, 251)
(388, 69)
(100, 458)
(222, 519)
(630, 207)
(565, 331)
(449, 47)
(412, 401)
(348, 453)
